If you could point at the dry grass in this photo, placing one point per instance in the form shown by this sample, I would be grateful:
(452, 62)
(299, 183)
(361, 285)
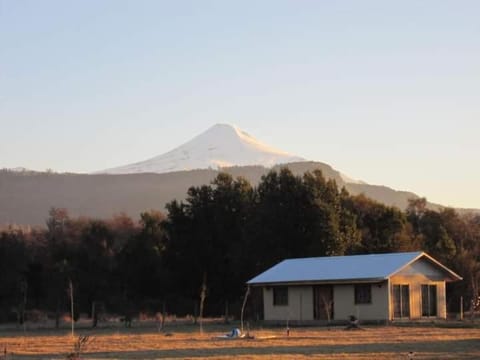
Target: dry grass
(186, 343)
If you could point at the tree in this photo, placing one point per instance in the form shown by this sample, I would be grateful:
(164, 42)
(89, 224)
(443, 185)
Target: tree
(206, 237)
(436, 240)
(13, 267)
(467, 261)
(300, 216)
(93, 262)
(59, 263)
(141, 261)
(279, 227)
(384, 229)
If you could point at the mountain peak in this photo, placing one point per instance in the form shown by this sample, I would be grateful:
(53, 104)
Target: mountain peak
(223, 126)
(222, 130)
(222, 145)
(227, 130)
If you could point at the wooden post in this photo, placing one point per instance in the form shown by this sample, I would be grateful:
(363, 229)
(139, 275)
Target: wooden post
(164, 313)
(243, 307)
(226, 312)
(24, 305)
(57, 314)
(301, 307)
(461, 308)
(195, 312)
(94, 315)
(71, 306)
(203, 295)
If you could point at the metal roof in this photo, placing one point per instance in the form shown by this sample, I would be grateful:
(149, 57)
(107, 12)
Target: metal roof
(340, 268)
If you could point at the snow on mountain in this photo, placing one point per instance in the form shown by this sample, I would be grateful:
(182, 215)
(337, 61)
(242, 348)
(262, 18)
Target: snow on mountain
(222, 145)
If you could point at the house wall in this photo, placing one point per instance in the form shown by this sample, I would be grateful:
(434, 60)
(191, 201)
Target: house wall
(344, 303)
(415, 283)
(421, 272)
(299, 308)
(300, 304)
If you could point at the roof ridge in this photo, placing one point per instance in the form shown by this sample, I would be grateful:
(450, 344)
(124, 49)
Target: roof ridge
(356, 255)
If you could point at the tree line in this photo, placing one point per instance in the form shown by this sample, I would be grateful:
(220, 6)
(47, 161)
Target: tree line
(215, 240)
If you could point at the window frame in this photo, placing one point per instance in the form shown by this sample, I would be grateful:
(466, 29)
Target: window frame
(363, 294)
(280, 296)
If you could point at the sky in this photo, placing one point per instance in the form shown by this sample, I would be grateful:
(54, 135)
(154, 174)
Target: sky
(385, 91)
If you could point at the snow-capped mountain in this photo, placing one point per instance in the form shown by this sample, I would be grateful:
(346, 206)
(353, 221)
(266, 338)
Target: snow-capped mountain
(222, 145)
(26, 196)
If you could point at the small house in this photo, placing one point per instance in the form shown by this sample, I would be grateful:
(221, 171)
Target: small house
(377, 287)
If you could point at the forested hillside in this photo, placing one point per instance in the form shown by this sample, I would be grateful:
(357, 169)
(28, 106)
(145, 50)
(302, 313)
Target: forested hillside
(219, 237)
(25, 197)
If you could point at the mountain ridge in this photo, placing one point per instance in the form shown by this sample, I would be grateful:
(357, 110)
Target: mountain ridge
(25, 198)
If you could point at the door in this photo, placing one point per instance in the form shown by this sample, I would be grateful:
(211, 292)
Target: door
(323, 302)
(429, 300)
(401, 301)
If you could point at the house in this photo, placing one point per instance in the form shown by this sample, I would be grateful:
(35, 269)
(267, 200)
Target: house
(377, 287)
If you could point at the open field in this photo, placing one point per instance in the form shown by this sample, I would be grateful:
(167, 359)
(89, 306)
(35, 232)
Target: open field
(185, 342)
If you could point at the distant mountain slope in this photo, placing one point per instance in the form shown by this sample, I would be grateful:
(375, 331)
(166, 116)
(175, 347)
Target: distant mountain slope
(220, 146)
(26, 197)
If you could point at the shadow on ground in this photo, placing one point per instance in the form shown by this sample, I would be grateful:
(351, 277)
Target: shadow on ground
(431, 350)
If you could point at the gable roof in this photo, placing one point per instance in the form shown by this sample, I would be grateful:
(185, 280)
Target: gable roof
(373, 267)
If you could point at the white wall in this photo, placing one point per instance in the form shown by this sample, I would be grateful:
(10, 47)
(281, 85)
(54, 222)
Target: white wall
(299, 308)
(300, 304)
(344, 303)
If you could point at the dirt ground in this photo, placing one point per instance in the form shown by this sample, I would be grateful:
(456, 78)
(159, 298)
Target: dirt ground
(186, 342)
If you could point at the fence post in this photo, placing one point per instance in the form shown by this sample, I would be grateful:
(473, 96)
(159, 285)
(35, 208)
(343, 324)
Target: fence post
(461, 308)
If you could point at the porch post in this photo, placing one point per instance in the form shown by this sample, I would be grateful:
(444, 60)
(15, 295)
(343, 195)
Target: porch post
(389, 299)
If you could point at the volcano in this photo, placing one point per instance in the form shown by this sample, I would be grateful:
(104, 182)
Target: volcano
(220, 146)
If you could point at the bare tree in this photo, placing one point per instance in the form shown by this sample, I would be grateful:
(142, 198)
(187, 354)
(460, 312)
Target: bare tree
(243, 307)
(203, 295)
(70, 293)
(327, 303)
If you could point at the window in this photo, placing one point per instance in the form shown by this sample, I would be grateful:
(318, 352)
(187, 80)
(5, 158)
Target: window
(363, 294)
(280, 296)
(429, 300)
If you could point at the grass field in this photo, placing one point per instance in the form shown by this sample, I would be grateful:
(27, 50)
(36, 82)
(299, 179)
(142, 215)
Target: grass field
(185, 342)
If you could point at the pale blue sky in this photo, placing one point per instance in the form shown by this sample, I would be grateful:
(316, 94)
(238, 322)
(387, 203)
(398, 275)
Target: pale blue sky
(385, 91)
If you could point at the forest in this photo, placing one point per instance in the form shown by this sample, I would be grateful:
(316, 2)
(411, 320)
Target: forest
(210, 244)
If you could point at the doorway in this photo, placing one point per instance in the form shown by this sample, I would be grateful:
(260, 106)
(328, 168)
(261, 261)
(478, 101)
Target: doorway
(429, 300)
(401, 301)
(323, 302)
